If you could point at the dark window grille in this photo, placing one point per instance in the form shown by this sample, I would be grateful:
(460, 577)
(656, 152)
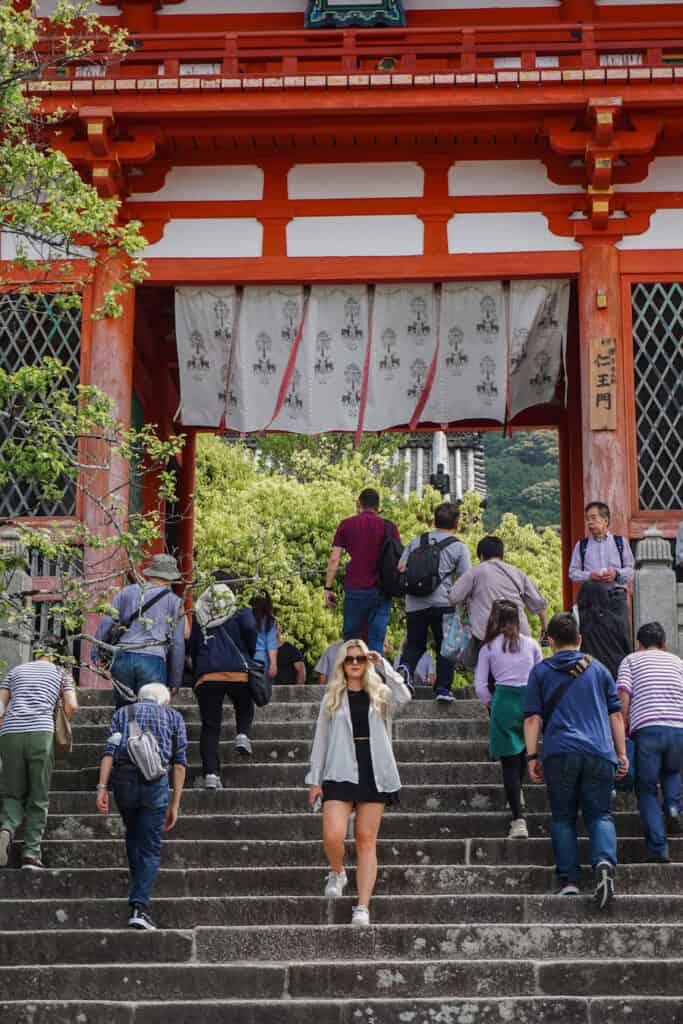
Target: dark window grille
(31, 329)
(658, 372)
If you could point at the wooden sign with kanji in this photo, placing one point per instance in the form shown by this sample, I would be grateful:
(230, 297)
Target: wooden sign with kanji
(603, 394)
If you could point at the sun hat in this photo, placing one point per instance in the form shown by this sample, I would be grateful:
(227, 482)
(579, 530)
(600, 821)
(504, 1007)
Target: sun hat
(163, 567)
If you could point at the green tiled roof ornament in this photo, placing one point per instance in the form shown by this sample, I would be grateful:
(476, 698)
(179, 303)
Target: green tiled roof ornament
(355, 14)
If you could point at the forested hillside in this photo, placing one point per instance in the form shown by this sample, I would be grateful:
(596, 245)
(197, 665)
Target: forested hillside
(522, 475)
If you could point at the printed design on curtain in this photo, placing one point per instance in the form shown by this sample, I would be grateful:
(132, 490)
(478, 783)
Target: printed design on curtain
(239, 357)
(488, 326)
(324, 393)
(269, 319)
(538, 330)
(354, 331)
(324, 367)
(404, 341)
(471, 375)
(390, 360)
(205, 320)
(456, 357)
(351, 396)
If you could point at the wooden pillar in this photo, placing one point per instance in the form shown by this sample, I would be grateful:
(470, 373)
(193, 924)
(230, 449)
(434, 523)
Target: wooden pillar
(605, 452)
(186, 486)
(109, 365)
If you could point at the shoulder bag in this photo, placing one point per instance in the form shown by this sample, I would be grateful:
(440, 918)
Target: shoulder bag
(118, 628)
(260, 684)
(63, 731)
(143, 747)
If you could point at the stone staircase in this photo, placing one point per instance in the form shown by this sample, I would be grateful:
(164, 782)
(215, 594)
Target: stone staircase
(464, 931)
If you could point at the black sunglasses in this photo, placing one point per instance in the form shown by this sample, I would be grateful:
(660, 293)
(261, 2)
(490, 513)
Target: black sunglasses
(355, 659)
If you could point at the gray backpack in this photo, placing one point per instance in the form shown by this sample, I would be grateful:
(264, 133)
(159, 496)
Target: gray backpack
(143, 748)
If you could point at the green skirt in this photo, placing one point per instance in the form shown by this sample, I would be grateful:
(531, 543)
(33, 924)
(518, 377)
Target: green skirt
(506, 727)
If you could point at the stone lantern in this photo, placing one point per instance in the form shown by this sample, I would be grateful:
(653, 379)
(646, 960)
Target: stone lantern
(654, 590)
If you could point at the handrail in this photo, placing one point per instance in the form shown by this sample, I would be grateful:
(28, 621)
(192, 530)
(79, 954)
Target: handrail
(348, 51)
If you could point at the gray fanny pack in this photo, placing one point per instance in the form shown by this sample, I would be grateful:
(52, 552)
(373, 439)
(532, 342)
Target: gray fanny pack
(143, 748)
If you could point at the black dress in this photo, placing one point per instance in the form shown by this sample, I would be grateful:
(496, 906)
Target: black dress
(365, 790)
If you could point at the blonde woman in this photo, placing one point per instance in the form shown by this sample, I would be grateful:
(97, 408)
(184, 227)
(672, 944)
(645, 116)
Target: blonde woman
(353, 764)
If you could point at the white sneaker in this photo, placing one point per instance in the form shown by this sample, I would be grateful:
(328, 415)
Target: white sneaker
(444, 697)
(360, 916)
(336, 883)
(518, 829)
(212, 782)
(243, 744)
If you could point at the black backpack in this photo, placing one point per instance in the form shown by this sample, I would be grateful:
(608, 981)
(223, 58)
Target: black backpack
(421, 576)
(388, 576)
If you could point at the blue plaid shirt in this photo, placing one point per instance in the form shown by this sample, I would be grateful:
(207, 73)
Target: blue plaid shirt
(165, 723)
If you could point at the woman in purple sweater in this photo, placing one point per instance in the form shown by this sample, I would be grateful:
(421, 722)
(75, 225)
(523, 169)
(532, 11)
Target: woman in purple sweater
(505, 660)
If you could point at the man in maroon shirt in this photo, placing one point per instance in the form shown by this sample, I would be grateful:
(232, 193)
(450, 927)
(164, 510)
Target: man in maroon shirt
(366, 608)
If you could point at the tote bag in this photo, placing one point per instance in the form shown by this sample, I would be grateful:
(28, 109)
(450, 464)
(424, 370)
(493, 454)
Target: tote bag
(457, 634)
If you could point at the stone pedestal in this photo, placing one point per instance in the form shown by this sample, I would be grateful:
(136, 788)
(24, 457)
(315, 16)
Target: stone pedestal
(654, 590)
(16, 647)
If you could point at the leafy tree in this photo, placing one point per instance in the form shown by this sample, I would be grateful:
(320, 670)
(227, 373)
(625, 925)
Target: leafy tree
(523, 477)
(56, 443)
(274, 530)
(50, 213)
(284, 451)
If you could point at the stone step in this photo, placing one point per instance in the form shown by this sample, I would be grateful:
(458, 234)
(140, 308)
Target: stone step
(250, 827)
(217, 853)
(186, 913)
(273, 775)
(400, 979)
(288, 751)
(449, 1010)
(396, 879)
(281, 695)
(440, 728)
(305, 943)
(428, 710)
(290, 800)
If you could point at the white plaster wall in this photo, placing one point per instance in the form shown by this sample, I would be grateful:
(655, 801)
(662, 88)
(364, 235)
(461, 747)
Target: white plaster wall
(504, 232)
(356, 181)
(502, 178)
(185, 184)
(217, 237)
(355, 236)
(665, 174)
(665, 232)
(38, 250)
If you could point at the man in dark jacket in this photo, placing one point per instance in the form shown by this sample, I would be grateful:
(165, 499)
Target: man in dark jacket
(220, 641)
(574, 700)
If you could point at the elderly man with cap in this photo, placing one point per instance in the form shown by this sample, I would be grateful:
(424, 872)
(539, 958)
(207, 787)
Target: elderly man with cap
(147, 632)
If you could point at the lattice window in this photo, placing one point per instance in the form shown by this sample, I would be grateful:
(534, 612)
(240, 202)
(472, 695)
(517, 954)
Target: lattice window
(30, 330)
(658, 369)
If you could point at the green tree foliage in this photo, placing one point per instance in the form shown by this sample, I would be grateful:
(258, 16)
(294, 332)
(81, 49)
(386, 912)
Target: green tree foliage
(523, 477)
(275, 530)
(56, 442)
(53, 216)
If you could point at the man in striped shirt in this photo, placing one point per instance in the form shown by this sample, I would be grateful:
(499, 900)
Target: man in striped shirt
(650, 685)
(28, 697)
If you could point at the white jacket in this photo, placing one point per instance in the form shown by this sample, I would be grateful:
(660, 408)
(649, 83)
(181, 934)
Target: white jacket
(333, 757)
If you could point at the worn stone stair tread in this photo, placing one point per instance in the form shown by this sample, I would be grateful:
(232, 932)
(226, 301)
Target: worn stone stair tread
(186, 913)
(450, 1010)
(325, 943)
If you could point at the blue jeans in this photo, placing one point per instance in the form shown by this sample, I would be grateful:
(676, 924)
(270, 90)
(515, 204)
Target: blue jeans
(134, 670)
(580, 781)
(367, 610)
(659, 750)
(143, 807)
